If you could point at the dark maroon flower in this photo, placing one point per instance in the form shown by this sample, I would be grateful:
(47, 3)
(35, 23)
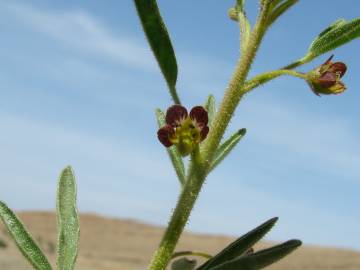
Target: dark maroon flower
(325, 79)
(184, 130)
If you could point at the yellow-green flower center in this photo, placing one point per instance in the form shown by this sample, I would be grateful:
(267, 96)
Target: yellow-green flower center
(187, 136)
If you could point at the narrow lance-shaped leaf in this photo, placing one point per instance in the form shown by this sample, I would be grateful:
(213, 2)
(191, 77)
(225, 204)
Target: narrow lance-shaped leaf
(159, 40)
(271, 255)
(210, 107)
(226, 147)
(337, 34)
(260, 259)
(174, 154)
(240, 246)
(23, 240)
(280, 9)
(68, 221)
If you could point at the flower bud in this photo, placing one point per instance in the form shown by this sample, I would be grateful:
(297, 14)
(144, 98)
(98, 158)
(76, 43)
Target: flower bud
(325, 79)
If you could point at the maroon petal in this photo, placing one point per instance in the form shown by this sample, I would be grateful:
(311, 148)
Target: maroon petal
(328, 79)
(338, 67)
(163, 135)
(200, 115)
(175, 114)
(204, 132)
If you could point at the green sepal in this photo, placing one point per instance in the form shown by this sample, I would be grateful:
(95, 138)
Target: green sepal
(260, 259)
(336, 35)
(226, 147)
(280, 9)
(184, 264)
(240, 246)
(67, 220)
(23, 239)
(175, 156)
(210, 107)
(159, 40)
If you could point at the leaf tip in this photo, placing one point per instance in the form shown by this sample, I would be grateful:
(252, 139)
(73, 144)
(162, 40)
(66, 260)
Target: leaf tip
(242, 131)
(294, 243)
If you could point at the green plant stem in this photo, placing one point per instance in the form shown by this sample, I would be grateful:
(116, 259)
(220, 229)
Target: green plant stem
(234, 92)
(265, 77)
(180, 215)
(200, 163)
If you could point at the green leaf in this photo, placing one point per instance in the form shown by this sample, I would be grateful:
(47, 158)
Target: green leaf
(280, 9)
(68, 221)
(183, 264)
(240, 246)
(260, 259)
(174, 154)
(271, 255)
(336, 35)
(159, 40)
(210, 107)
(226, 147)
(23, 240)
(332, 26)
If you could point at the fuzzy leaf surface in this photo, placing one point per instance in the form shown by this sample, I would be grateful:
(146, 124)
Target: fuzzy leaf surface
(67, 220)
(336, 35)
(226, 147)
(159, 40)
(23, 240)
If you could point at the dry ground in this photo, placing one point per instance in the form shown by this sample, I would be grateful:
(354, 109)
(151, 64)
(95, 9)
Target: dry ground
(109, 244)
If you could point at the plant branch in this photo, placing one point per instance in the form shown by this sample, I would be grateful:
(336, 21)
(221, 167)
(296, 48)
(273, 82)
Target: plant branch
(200, 163)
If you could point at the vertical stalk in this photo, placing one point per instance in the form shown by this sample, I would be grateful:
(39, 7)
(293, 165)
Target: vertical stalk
(181, 214)
(234, 92)
(198, 170)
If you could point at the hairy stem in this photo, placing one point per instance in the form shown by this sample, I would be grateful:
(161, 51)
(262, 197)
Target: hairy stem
(265, 77)
(200, 163)
(235, 92)
(181, 214)
(268, 76)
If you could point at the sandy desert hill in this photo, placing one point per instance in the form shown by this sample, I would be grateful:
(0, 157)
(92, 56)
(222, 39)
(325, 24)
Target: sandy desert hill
(109, 244)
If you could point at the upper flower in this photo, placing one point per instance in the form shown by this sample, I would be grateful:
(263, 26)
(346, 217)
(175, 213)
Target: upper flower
(184, 130)
(325, 79)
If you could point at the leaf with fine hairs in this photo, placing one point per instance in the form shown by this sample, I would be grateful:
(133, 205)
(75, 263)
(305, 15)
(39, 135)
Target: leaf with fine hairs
(159, 40)
(67, 220)
(226, 147)
(336, 35)
(23, 239)
(280, 9)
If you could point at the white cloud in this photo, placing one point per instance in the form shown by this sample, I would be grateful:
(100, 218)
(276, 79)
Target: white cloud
(84, 32)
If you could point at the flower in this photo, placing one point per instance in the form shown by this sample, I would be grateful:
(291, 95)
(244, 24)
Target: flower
(325, 79)
(184, 130)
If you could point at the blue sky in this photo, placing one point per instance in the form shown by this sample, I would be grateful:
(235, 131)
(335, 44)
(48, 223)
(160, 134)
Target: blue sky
(79, 86)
